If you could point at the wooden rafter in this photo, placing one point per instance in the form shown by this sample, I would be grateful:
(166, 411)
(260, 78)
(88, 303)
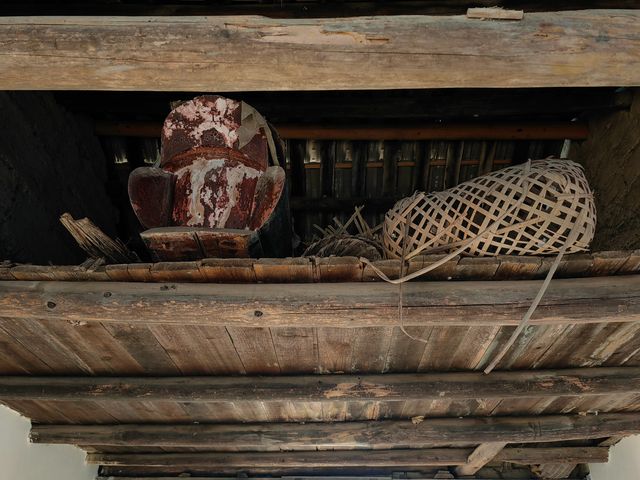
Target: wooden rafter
(584, 300)
(345, 435)
(483, 454)
(281, 461)
(535, 384)
(239, 53)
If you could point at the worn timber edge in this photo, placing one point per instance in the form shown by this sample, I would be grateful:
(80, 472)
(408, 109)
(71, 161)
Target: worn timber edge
(531, 384)
(334, 269)
(401, 458)
(613, 299)
(544, 49)
(378, 434)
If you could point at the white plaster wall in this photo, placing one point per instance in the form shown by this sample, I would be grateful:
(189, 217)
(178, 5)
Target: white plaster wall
(624, 462)
(21, 460)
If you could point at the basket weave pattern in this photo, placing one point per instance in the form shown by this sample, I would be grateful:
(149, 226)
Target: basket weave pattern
(527, 209)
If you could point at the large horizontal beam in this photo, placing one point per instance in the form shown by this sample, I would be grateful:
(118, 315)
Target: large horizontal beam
(584, 300)
(583, 382)
(408, 458)
(230, 462)
(345, 435)
(241, 53)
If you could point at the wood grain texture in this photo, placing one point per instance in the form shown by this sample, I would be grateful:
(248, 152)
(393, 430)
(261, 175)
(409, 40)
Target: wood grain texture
(483, 454)
(408, 458)
(531, 385)
(580, 301)
(336, 269)
(243, 53)
(345, 435)
(229, 462)
(570, 455)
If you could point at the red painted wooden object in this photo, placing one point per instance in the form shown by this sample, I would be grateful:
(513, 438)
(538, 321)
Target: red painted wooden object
(219, 170)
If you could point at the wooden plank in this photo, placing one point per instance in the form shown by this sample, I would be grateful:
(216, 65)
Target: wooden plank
(336, 269)
(199, 350)
(571, 455)
(230, 462)
(144, 347)
(494, 13)
(593, 48)
(580, 301)
(483, 454)
(255, 349)
(346, 435)
(532, 385)
(296, 349)
(225, 463)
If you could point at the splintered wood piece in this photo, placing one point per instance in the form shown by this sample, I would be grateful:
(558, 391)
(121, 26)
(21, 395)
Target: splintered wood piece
(482, 455)
(95, 242)
(494, 13)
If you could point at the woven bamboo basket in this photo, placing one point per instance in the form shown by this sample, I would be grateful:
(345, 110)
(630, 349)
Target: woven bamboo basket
(530, 209)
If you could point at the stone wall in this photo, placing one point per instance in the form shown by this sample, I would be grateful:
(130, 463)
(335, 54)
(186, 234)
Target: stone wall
(50, 162)
(611, 157)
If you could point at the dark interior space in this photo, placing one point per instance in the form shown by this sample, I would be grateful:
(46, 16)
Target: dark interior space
(83, 145)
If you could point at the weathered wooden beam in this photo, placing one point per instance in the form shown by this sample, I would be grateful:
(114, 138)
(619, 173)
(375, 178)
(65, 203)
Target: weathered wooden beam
(583, 382)
(583, 300)
(345, 435)
(483, 454)
(570, 455)
(226, 463)
(424, 131)
(230, 462)
(239, 53)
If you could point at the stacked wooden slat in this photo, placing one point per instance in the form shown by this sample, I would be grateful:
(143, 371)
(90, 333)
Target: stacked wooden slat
(334, 269)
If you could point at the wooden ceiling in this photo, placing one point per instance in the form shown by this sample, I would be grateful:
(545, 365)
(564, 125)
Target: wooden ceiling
(168, 378)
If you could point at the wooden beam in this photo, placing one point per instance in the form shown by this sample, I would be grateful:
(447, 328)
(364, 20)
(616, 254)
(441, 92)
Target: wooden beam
(229, 463)
(483, 454)
(570, 455)
(447, 131)
(243, 53)
(535, 384)
(345, 435)
(580, 301)
(257, 461)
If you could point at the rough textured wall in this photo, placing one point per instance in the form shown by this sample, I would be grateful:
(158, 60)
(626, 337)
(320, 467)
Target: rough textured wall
(611, 157)
(50, 162)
